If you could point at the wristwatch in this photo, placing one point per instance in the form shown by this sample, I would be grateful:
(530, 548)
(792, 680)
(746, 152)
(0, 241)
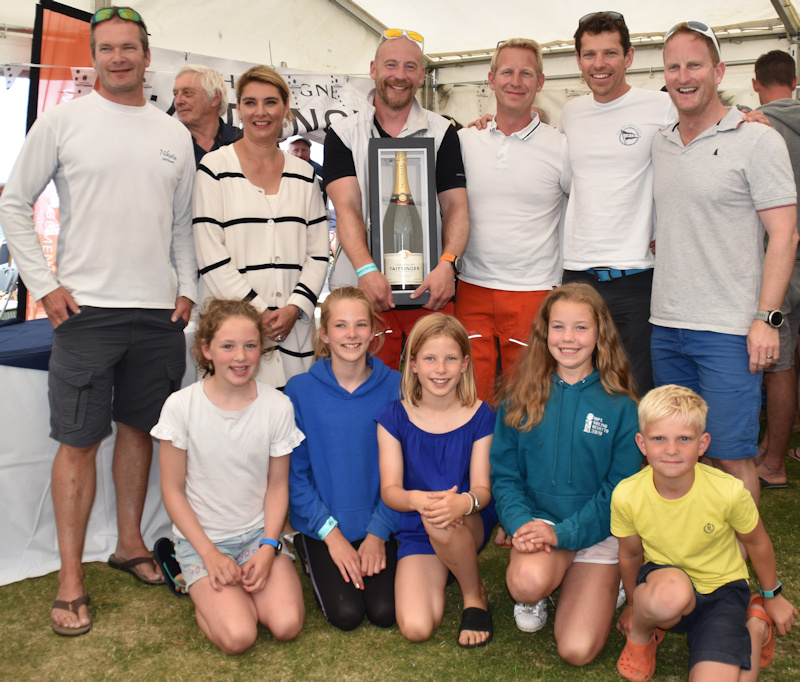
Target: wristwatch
(457, 261)
(769, 594)
(277, 544)
(774, 318)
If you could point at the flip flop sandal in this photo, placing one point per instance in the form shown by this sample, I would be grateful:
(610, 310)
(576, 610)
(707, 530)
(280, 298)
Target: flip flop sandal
(477, 620)
(792, 454)
(637, 662)
(768, 647)
(72, 607)
(164, 553)
(130, 567)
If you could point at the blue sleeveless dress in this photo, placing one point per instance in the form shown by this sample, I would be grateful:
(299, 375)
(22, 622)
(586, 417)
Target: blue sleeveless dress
(435, 461)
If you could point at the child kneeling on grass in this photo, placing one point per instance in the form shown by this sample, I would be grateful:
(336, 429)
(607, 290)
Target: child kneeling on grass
(684, 519)
(224, 451)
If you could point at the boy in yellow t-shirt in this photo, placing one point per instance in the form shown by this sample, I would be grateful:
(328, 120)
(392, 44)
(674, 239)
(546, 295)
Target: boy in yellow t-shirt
(683, 519)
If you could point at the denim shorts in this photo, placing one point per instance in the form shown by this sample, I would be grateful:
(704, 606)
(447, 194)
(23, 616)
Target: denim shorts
(240, 548)
(717, 628)
(717, 366)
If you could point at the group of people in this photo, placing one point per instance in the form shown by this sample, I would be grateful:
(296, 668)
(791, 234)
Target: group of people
(396, 482)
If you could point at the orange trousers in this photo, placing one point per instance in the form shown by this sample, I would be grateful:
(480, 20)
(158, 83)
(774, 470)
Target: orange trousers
(498, 323)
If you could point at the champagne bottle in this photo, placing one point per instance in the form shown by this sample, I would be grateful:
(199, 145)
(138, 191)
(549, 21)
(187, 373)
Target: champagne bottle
(402, 233)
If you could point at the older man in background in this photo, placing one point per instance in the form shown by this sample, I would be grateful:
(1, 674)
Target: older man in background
(201, 100)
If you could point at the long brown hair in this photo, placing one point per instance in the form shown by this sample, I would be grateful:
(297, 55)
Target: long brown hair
(527, 385)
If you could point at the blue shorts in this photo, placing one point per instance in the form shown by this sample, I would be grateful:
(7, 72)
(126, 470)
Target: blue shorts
(717, 628)
(240, 548)
(717, 366)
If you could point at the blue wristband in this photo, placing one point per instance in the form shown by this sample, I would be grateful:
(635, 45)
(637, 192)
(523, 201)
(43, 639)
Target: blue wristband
(330, 524)
(366, 269)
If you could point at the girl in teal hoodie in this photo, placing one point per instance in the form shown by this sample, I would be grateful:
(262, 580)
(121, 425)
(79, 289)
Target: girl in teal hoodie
(564, 438)
(344, 530)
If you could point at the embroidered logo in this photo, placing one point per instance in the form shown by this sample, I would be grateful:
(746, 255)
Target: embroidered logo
(168, 156)
(595, 425)
(629, 135)
(709, 528)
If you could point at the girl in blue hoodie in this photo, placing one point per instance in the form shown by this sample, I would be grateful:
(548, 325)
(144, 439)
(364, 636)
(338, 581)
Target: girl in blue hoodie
(564, 438)
(344, 530)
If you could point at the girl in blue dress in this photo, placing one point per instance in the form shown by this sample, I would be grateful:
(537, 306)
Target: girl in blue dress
(434, 464)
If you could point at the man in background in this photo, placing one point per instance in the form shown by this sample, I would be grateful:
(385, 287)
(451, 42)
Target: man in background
(775, 83)
(201, 100)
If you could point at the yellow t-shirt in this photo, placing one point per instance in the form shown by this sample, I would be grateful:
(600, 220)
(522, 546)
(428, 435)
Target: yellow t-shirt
(696, 532)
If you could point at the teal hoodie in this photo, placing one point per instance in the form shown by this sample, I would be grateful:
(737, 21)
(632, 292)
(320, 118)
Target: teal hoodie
(565, 468)
(334, 471)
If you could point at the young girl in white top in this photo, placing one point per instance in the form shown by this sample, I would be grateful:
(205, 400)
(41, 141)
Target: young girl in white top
(225, 444)
(434, 459)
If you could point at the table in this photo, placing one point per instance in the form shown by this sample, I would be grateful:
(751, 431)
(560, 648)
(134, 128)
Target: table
(27, 526)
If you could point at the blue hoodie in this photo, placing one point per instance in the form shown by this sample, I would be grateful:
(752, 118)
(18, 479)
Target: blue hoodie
(334, 471)
(566, 467)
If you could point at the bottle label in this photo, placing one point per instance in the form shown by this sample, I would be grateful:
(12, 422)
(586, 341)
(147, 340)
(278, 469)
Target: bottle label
(403, 268)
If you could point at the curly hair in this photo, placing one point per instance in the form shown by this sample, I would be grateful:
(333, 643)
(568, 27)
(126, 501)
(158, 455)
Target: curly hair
(216, 312)
(427, 328)
(526, 388)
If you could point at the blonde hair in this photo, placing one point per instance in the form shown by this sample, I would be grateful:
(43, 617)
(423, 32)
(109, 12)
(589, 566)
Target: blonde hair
(669, 401)
(322, 349)
(525, 44)
(430, 327)
(684, 29)
(216, 312)
(264, 74)
(526, 386)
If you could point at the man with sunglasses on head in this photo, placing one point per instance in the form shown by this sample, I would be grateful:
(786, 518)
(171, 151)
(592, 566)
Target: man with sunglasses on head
(393, 111)
(609, 221)
(719, 183)
(126, 282)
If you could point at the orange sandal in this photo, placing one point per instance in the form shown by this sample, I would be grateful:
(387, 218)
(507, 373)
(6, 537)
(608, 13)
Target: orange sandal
(768, 647)
(637, 662)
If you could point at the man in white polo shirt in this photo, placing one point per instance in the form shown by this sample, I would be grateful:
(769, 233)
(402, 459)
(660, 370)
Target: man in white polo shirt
(517, 174)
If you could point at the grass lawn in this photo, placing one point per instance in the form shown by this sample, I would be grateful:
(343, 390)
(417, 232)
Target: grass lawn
(144, 633)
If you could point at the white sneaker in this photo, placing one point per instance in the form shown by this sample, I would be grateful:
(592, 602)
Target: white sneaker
(621, 596)
(530, 617)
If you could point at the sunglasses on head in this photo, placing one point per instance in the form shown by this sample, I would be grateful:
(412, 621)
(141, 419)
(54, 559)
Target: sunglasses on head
(698, 27)
(614, 16)
(394, 33)
(124, 13)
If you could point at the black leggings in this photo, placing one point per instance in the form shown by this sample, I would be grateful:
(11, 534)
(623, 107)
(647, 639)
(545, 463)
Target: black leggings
(342, 604)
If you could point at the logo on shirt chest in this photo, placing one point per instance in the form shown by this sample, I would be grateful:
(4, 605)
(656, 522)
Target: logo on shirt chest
(629, 135)
(595, 425)
(166, 155)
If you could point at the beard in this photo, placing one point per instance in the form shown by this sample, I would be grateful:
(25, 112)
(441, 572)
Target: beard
(392, 98)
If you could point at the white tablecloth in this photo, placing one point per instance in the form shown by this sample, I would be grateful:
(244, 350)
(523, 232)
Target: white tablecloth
(27, 526)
